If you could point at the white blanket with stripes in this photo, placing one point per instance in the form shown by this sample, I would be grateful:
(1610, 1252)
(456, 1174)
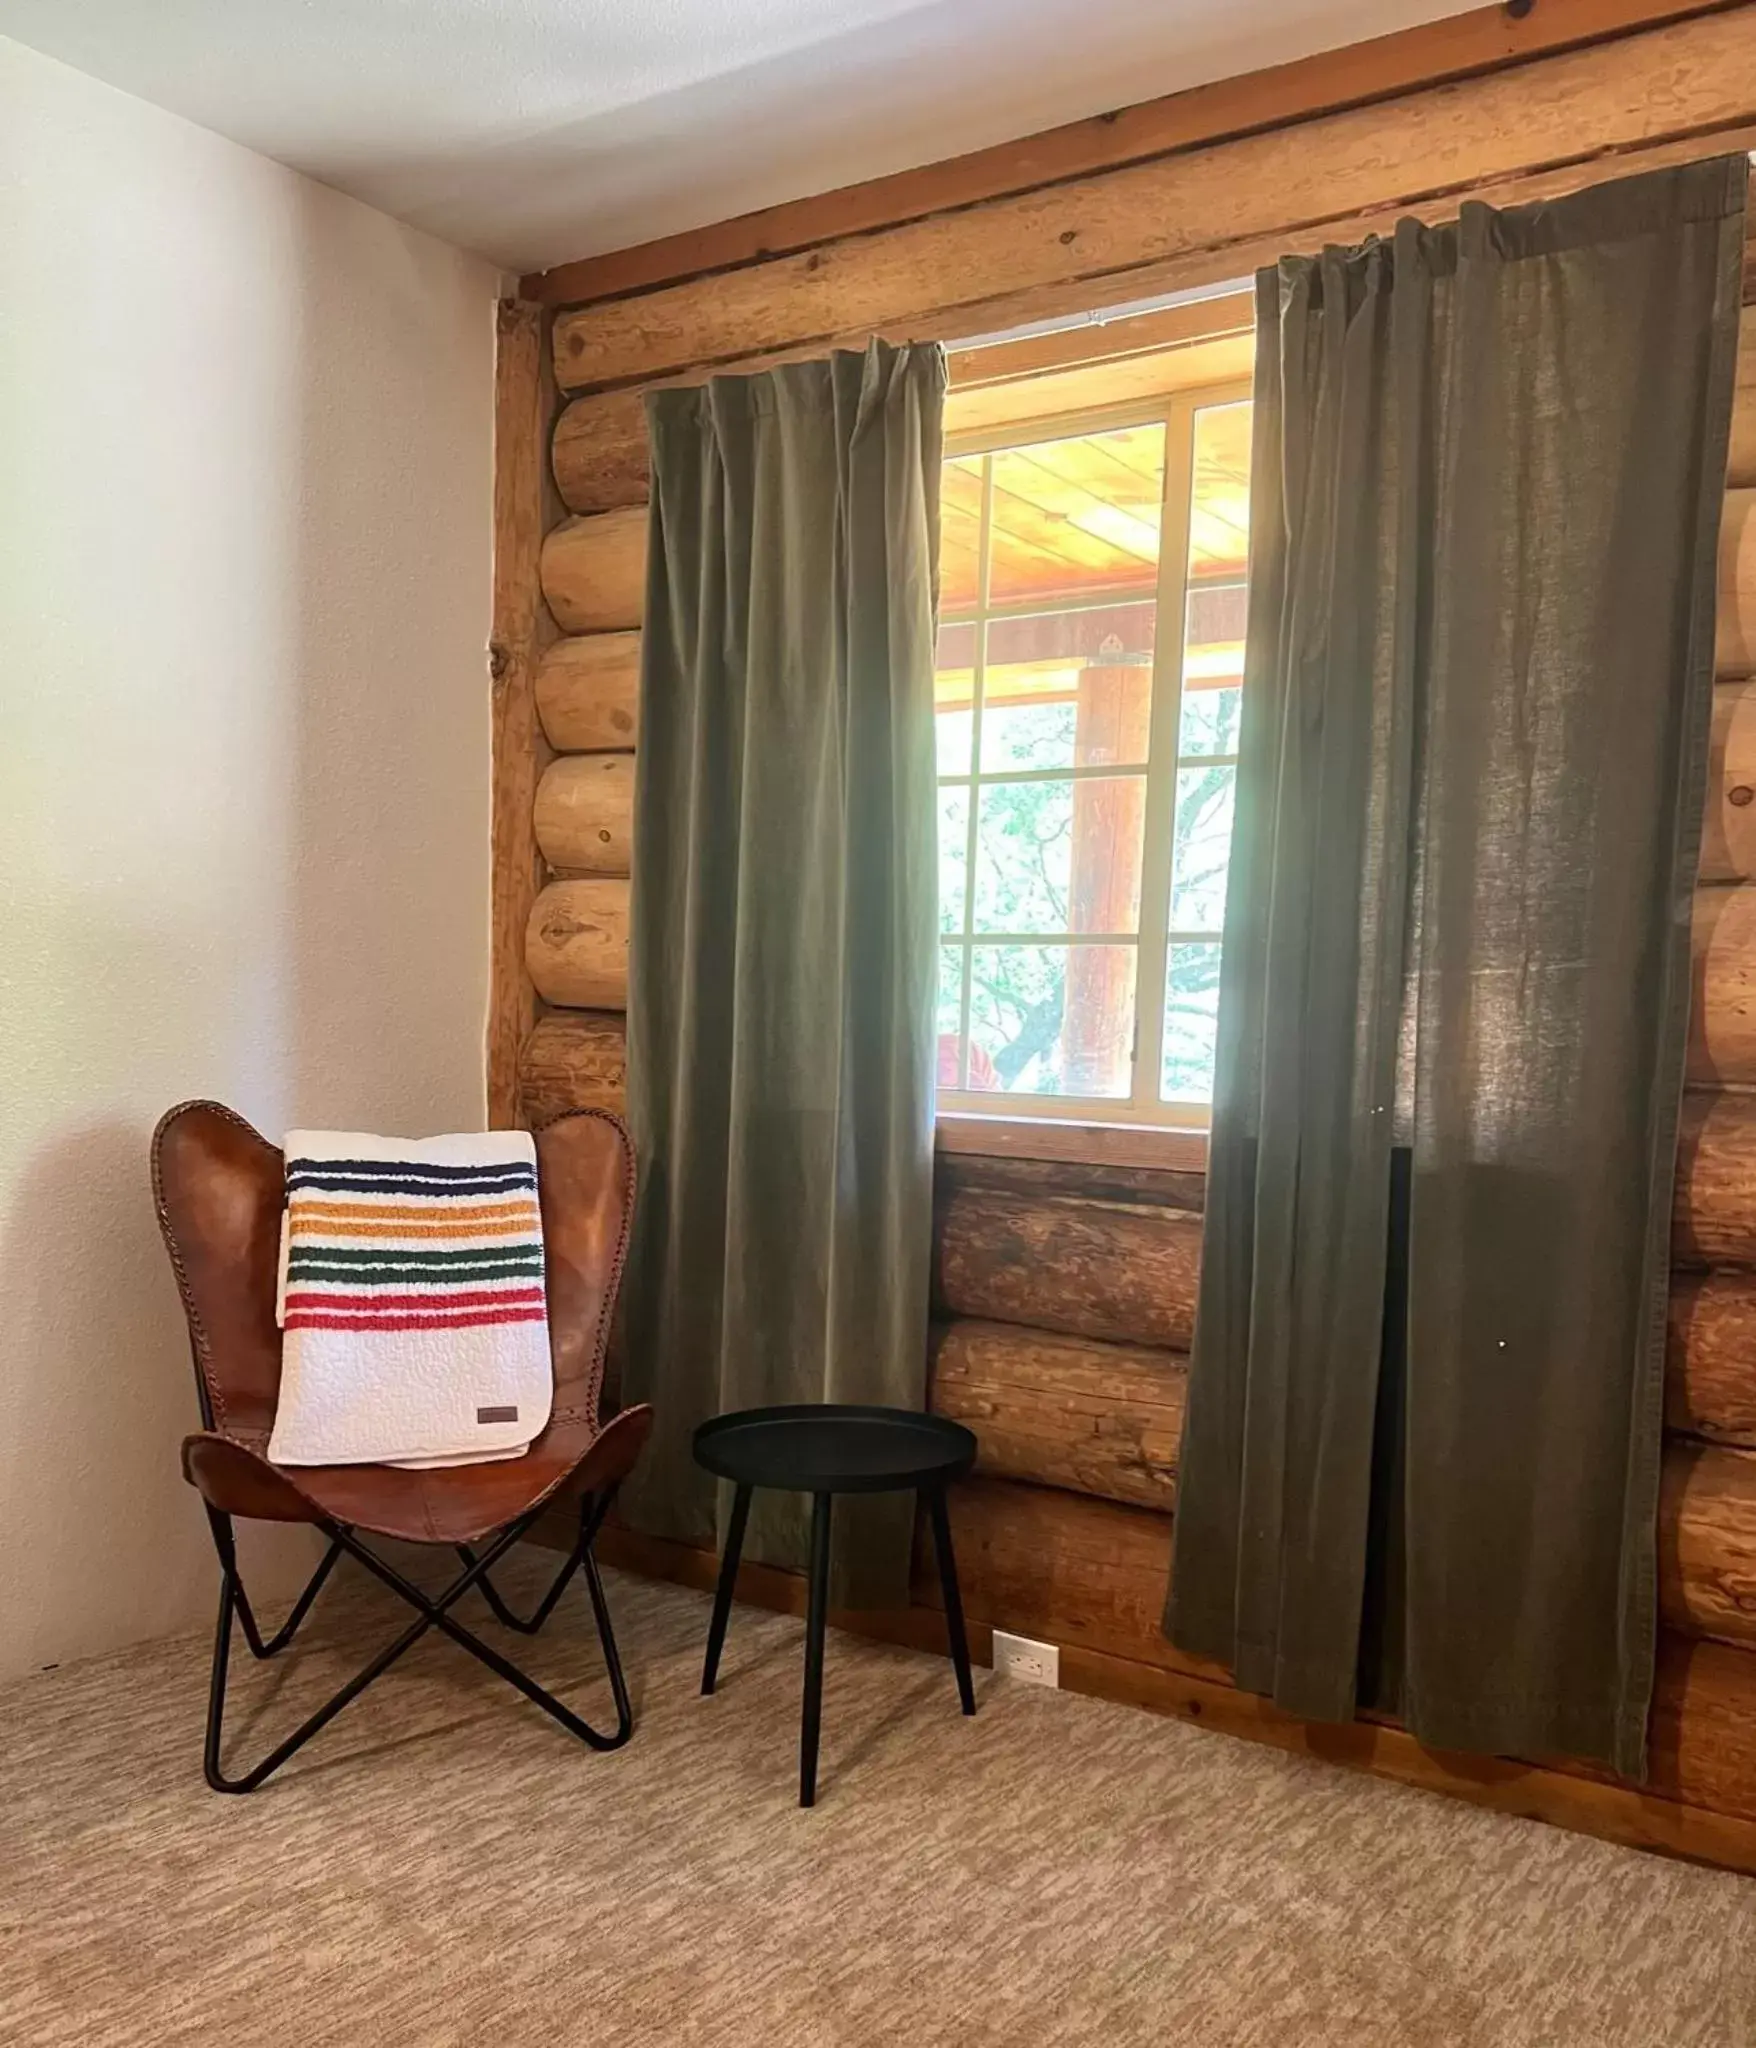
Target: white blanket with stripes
(412, 1300)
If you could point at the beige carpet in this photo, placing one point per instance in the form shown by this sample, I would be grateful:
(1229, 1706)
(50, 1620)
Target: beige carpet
(444, 1867)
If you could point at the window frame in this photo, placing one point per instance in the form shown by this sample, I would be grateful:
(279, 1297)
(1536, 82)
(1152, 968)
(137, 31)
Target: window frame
(1143, 1110)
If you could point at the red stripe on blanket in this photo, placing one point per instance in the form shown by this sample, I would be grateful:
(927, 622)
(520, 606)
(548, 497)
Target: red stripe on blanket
(471, 1319)
(427, 1298)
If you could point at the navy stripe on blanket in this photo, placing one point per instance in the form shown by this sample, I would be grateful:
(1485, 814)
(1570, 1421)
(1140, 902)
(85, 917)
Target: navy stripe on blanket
(419, 1255)
(415, 1184)
(419, 1169)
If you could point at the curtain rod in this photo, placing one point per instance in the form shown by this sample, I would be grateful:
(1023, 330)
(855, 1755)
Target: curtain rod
(1195, 295)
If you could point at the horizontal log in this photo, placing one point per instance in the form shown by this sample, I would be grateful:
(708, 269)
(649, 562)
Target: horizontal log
(1734, 652)
(1710, 1387)
(1713, 1219)
(1094, 1574)
(1722, 1014)
(1702, 1733)
(599, 455)
(1728, 832)
(584, 813)
(1164, 1187)
(1741, 463)
(574, 1059)
(588, 692)
(576, 944)
(1112, 1270)
(1707, 1542)
(1695, 77)
(1103, 1419)
(594, 572)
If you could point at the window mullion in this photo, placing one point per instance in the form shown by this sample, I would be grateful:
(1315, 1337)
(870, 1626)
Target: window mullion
(1161, 782)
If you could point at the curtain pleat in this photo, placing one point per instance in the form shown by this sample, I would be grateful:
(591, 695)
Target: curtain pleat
(783, 947)
(1421, 1458)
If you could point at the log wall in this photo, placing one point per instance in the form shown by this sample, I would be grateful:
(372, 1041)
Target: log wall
(1064, 1293)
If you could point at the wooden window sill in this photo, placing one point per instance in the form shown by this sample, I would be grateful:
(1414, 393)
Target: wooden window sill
(1181, 1150)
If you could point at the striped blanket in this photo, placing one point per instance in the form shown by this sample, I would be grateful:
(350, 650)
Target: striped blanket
(412, 1298)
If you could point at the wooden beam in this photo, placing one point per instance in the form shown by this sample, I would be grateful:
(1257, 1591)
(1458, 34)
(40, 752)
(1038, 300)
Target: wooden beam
(1741, 462)
(585, 813)
(574, 1059)
(1728, 834)
(594, 571)
(588, 692)
(1714, 1217)
(1710, 1388)
(1104, 1419)
(1734, 651)
(576, 944)
(1120, 1272)
(1688, 87)
(1459, 46)
(1707, 1542)
(521, 629)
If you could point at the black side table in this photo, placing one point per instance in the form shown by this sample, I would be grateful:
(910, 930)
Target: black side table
(826, 1450)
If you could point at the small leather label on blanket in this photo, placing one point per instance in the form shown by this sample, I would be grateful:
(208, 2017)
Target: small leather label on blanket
(496, 1414)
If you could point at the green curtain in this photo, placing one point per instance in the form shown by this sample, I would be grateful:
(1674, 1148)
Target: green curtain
(1421, 1461)
(783, 946)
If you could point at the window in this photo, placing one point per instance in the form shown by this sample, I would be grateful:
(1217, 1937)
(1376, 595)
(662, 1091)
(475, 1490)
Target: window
(1086, 766)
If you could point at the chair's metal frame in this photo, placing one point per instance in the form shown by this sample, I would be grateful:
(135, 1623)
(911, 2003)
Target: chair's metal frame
(430, 1612)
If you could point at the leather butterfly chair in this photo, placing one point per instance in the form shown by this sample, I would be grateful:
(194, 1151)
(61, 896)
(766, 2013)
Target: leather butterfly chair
(219, 1188)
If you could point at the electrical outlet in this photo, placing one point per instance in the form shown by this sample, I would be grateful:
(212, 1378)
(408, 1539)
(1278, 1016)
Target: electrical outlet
(1023, 1657)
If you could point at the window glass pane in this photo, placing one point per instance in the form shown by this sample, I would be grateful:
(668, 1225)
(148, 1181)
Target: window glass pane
(1209, 722)
(1024, 857)
(1078, 516)
(960, 528)
(1219, 504)
(1213, 625)
(1068, 689)
(1052, 1020)
(953, 856)
(1191, 1022)
(1056, 856)
(1218, 598)
(950, 1014)
(1031, 734)
(1201, 848)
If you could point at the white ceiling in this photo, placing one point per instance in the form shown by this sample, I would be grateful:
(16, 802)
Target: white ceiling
(538, 130)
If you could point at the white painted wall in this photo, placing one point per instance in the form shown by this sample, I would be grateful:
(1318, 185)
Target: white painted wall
(245, 552)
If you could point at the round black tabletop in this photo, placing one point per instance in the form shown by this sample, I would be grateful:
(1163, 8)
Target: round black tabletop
(834, 1448)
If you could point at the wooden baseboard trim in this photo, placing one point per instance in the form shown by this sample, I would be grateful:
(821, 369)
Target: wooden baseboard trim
(1613, 1813)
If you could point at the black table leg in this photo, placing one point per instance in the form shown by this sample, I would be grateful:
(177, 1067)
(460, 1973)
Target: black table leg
(815, 1617)
(722, 1596)
(953, 1598)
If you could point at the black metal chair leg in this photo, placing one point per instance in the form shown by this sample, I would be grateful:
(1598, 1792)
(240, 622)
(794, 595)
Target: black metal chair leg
(429, 1614)
(816, 1617)
(216, 1698)
(225, 1544)
(722, 1593)
(954, 1628)
(503, 1667)
(600, 1608)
